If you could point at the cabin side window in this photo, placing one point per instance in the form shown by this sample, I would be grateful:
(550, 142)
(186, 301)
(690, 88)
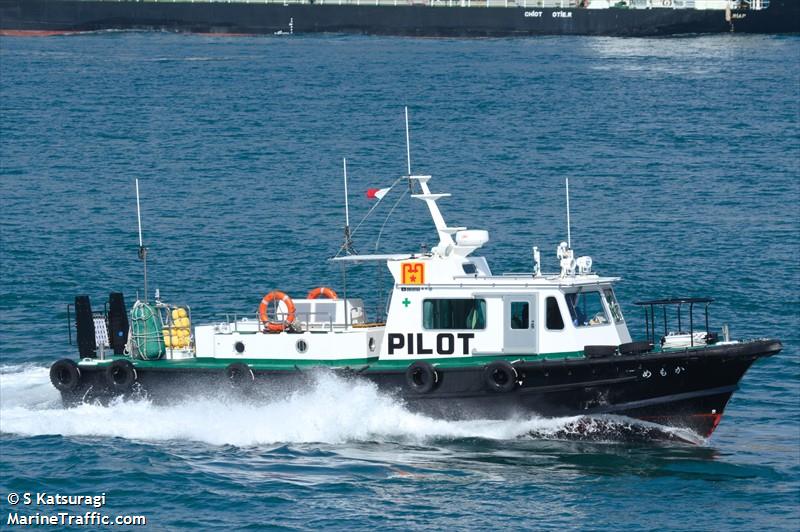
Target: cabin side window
(613, 306)
(553, 320)
(454, 314)
(586, 309)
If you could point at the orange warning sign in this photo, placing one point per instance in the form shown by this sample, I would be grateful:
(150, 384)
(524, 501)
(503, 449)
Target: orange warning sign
(412, 273)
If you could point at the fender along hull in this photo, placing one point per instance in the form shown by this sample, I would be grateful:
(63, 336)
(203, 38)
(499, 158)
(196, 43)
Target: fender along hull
(687, 389)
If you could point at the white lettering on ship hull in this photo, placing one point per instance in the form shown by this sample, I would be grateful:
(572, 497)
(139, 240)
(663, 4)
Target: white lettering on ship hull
(556, 14)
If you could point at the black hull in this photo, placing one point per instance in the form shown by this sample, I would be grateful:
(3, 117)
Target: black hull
(42, 16)
(684, 389)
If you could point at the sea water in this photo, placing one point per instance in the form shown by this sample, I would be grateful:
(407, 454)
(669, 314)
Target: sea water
(683, 156)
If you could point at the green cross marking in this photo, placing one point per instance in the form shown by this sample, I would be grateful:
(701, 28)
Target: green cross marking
(406, 302)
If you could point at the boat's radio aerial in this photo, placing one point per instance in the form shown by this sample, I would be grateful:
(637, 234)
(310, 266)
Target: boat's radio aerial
(566, 255)
(347, 247)
(408, 144)
(142, 248)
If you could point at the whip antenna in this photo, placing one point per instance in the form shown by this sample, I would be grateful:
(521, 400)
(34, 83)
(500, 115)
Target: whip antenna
(569, 232)
(346, 201)
(142, 249)
(408, 144)
(348, 240)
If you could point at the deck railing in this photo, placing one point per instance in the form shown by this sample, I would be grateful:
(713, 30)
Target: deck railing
(650, 310)
(303, 322)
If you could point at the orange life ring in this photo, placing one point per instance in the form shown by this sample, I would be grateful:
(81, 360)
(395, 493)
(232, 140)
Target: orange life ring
(272, 325)
(323, 291)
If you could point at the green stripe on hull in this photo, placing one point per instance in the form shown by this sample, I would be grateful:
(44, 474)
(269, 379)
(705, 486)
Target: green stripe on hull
(221, 363)
(475, 360)
(292, 364)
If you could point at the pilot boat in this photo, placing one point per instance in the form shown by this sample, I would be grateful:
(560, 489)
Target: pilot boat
(458, 341)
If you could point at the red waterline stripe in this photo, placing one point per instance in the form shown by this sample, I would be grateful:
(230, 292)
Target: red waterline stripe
(717, 419)
(51, 33)
(34, 33)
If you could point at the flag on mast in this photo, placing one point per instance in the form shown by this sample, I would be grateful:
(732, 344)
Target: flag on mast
(377, 193)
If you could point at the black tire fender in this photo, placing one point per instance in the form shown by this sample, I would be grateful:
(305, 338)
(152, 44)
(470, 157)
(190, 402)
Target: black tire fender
(635, 348)
(421, 377)
(65, 375)
(239, 376)
(121, 375)
(599, 351)
(500, 376)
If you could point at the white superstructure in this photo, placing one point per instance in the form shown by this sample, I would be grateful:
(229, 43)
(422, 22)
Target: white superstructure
(445, 304)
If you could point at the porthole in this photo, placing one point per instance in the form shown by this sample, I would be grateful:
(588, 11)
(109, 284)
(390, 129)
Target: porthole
(371, 344)
(301, 346)
(239, 346)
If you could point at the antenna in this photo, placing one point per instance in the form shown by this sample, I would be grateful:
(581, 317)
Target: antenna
(569, 232)
(142, 249)
(348, 241)
(346, 202)
(408, 144)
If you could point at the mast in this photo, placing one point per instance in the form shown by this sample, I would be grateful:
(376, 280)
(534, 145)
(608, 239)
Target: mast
(445, 232)
(408, 144)
(569, 231)
(142, 249)
(346, 201)
(348, 241)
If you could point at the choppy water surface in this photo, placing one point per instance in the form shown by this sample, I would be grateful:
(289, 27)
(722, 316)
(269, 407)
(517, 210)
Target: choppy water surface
(683, 156)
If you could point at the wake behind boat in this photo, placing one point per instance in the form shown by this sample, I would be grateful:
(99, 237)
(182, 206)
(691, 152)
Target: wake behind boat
(458, 341)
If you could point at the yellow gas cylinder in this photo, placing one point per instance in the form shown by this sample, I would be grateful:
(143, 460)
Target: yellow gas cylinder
(167, 337)
(181, 328)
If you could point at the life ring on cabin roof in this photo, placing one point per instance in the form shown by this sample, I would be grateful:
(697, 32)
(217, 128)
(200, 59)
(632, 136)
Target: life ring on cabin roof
(322, 291)
(276, 325)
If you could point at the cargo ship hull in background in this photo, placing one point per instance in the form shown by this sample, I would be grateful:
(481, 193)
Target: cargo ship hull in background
(43, 17)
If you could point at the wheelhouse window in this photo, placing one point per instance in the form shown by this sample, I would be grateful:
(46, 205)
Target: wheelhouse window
(454, 314)
(519, 315)
(586, 309)
(613, 306)
(553, 320)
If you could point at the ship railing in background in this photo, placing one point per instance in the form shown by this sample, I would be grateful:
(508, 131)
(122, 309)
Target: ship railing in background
(434, 3)
(551, 4)
(303, 321)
